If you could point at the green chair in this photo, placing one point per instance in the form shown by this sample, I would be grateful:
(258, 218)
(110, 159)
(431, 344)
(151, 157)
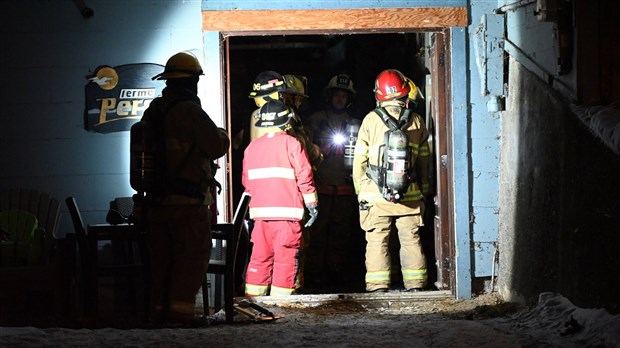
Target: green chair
(37, 269)
(20, 240)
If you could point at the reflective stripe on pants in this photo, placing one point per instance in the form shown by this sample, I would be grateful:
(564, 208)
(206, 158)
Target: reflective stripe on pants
(413, 262)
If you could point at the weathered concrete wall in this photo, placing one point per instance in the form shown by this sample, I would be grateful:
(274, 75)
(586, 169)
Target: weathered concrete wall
(559, 201)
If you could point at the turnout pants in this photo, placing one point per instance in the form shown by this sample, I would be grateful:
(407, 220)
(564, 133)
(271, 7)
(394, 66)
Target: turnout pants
(413, 262)
(275, 258)
(180, 244)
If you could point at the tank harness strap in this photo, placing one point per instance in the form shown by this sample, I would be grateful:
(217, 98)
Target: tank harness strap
(377, 173)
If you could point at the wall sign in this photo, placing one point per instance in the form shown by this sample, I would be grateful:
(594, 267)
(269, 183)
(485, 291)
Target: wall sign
(116, 97)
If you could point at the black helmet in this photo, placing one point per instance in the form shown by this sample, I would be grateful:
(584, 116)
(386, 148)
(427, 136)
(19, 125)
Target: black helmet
(266, 83)
(274, 114)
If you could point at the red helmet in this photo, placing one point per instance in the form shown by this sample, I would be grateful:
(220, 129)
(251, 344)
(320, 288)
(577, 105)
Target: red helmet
(391, 84)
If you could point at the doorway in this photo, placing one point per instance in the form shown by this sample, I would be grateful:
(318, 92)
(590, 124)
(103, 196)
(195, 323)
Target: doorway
(419, 55)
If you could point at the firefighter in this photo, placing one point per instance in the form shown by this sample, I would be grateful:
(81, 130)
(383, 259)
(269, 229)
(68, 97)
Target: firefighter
(330, 238)
(179, 222)
(391, 183)
(278, 176)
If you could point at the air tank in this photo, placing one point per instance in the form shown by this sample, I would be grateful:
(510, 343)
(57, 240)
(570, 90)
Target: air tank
(351, 132)
(141, 157)
(397, 163)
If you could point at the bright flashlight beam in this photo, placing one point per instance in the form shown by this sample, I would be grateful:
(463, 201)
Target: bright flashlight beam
(339, 139)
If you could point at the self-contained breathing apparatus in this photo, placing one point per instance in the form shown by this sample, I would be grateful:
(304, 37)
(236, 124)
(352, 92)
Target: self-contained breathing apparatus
(395, 171)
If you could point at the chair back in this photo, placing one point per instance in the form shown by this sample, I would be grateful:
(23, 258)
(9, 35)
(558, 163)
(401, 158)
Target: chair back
(40, 204)
(20, 225)
(76, 218)
(238, 219)
(80, 230)
(20, 245)
(229, 232)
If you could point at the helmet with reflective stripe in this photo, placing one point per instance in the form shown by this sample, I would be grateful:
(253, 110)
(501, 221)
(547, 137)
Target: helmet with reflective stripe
(267, 82)
(341, 81)
(274, 114)
(391, 84)
(296, 85)
(180, 65)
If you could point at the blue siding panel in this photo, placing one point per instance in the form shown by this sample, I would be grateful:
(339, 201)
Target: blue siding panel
(485, 154)
(484, 124)
(522, 25)
(483, 259)
(487, 189)
(487, 89)
(485, 222)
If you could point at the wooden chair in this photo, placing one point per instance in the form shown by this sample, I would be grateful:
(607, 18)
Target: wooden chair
(21, 240)
(91, 269)
(229, 233)
(41, 264)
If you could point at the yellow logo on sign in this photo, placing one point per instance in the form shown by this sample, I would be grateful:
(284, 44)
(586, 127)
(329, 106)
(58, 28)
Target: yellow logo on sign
(106, 78)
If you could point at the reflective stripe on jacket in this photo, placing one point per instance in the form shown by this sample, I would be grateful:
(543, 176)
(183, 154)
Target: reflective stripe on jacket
(278, 175)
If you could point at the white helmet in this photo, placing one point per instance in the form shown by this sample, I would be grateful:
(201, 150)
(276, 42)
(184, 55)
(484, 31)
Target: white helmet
(341, 81)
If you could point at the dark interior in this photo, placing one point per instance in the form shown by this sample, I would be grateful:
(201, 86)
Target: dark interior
(318, 58)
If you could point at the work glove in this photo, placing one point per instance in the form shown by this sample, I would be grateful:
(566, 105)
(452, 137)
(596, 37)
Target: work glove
(314, 213)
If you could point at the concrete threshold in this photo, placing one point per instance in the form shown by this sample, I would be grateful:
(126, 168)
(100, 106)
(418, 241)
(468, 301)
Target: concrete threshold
(369, 299)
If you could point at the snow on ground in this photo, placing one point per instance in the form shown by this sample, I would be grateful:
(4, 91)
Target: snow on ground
(553, 322)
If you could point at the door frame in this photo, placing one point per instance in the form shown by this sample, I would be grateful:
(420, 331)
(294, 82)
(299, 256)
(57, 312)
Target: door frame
(334, 21)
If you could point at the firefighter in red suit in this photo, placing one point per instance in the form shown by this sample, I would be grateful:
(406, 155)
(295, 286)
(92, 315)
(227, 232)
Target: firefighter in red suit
(278, 176)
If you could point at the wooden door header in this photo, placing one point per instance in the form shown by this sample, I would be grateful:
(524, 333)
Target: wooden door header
(368, 19)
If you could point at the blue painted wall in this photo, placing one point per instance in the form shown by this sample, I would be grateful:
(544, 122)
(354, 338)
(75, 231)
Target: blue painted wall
(47, 49)
(486, 90)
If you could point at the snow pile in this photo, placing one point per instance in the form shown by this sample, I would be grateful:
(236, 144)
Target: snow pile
(556, 315)
(603, 121)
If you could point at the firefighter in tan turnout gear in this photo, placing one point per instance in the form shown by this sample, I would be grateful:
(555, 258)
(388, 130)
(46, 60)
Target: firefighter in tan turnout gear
(334, 129)
(390, 174)
(178, 218)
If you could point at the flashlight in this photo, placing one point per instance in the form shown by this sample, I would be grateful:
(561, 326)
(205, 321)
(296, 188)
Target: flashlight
(339, 139)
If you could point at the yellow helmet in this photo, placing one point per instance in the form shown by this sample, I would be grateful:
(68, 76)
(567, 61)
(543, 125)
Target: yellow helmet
(414, 93)
(295, 85)
(180, 65)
